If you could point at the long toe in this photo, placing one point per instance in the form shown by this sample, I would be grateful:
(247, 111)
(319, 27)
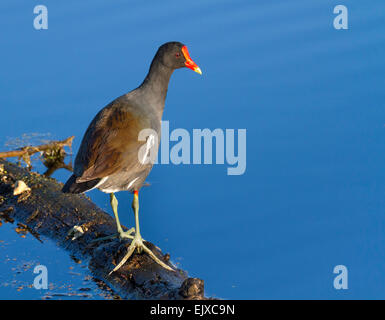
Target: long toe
(130, 251)
(121, 235)
(156, 259)
(137, 243)
(113, 236)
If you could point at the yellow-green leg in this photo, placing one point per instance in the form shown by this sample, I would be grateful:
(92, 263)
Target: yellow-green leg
(137, 242)
(121, 234)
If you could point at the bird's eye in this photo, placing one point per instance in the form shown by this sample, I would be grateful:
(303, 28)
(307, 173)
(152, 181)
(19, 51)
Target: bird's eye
(177, 54)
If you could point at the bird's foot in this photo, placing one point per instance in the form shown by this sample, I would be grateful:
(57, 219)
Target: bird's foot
(121, 235)
(126, 234)
(137, 243)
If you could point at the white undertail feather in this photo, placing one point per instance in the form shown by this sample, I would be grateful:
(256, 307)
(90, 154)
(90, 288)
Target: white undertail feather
(112, 189)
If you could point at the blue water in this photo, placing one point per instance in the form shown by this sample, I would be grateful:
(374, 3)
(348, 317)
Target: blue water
(310, 97)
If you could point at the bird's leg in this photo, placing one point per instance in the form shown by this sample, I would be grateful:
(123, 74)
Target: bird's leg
(121, 234)
(137, 242)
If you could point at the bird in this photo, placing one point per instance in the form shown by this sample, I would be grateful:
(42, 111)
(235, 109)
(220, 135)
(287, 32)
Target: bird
(114, 157)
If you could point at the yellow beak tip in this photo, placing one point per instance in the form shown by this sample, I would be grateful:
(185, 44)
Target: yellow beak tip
(198, 70)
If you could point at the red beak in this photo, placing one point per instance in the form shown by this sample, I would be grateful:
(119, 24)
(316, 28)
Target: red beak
(189, 63)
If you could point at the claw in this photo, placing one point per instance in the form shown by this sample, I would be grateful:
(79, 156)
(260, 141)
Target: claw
(137, 243)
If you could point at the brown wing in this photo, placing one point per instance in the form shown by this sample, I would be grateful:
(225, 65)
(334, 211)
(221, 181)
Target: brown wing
(109, 144)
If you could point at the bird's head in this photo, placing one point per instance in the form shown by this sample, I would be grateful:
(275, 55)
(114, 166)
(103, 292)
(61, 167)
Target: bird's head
(175, 55)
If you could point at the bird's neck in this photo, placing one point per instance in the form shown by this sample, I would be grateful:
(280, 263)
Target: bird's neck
(156, 83)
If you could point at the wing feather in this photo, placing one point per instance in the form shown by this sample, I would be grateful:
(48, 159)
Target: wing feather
(110, 143)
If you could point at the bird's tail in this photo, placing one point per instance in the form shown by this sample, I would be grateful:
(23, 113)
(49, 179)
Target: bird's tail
(71, 186)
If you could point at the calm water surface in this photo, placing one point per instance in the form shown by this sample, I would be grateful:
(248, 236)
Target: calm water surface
(310, 97)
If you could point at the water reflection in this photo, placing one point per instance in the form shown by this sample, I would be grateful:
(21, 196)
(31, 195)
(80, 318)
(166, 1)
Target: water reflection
(51, 153)
(21, 249)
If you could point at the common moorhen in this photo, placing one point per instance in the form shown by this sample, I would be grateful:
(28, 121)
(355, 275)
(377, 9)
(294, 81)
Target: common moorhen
(112, 157)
